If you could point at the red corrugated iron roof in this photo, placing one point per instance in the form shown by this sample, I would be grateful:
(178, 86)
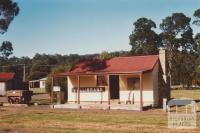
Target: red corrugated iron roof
(131, 64)
(6, 76)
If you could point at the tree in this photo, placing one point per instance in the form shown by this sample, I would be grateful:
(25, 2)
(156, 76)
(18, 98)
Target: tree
(6, 49)
(197, 17)
(144, 40)
(183, 70)
(107, 55)
(197, 41)
(62, 82)
(8, 10)
(177, 38)
(41, 66)
(39, 70)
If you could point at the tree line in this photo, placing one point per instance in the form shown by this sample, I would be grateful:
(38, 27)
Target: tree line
(176, 36)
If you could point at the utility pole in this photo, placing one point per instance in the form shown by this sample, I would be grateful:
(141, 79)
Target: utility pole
(24, 73)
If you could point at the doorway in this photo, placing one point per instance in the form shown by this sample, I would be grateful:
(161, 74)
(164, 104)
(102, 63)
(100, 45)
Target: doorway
(114, 86)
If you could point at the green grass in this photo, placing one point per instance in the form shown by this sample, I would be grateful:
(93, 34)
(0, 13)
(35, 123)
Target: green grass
(43, 120)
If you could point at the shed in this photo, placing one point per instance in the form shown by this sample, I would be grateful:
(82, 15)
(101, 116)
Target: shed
(38, 85)
(6, 82)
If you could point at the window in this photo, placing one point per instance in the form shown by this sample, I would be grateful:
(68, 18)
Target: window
(133, 83)
(101, 80)
(43, 83)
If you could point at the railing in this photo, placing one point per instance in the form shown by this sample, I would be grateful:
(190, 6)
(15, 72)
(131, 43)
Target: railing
(89, 89)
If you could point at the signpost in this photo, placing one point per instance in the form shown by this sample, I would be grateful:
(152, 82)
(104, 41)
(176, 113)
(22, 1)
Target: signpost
(57, 89)
(165, 104)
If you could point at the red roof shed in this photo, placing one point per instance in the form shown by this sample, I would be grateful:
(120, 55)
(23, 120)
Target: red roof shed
(6, 76)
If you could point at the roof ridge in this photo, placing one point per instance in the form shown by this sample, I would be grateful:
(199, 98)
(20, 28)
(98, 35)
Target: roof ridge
(135, 56)
(119, 64)
(7, 73)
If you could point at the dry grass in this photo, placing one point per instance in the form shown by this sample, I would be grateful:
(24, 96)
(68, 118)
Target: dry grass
(44, 120)
(193, 94)
(34, 120)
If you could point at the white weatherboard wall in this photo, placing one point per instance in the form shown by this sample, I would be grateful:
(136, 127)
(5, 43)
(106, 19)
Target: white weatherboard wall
(85, 81)
(135, 96)
(71, 95)
(90, 81)
(2, 88)
(127, 94)
(94, 96)
(42, 84)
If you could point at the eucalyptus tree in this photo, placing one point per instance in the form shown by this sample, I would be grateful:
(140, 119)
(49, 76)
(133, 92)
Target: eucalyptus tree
(8, 11)
(177, 38)
(197, 17)
(143, 39)
(6, 49)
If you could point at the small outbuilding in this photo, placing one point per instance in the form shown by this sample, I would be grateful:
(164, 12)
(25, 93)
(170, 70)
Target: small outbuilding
(6, 82)
(38, 86)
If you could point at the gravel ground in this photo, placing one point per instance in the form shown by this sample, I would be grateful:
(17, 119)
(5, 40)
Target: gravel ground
(3, 100)
(8, 132)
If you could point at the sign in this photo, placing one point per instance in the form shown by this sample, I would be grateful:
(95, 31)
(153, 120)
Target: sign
(56, 88)
(184, 119)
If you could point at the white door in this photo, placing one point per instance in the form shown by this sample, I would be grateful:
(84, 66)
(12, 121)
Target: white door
(2, 89)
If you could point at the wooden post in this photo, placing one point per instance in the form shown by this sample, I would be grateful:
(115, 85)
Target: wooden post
(141, 92)
(29, 85)
(51, 98)
(108, 80)
(165, 104)
(78, 90)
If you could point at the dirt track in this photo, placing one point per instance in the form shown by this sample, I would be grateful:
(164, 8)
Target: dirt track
(2, 100)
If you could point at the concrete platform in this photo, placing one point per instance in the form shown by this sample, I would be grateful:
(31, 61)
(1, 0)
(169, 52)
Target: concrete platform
(124, 107)
(97, 106)
(14, 105)
(66, 106)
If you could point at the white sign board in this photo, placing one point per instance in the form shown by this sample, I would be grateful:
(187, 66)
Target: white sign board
(56, 88)
(182, 119)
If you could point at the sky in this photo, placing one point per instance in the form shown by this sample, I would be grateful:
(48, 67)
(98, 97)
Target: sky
(85, 26)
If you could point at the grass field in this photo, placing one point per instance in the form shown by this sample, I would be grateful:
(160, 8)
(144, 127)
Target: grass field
(45, 120)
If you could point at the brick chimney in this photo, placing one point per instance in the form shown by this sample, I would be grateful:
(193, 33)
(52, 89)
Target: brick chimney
(163, 63)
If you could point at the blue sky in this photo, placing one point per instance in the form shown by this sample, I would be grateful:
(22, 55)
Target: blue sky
(84, 26)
